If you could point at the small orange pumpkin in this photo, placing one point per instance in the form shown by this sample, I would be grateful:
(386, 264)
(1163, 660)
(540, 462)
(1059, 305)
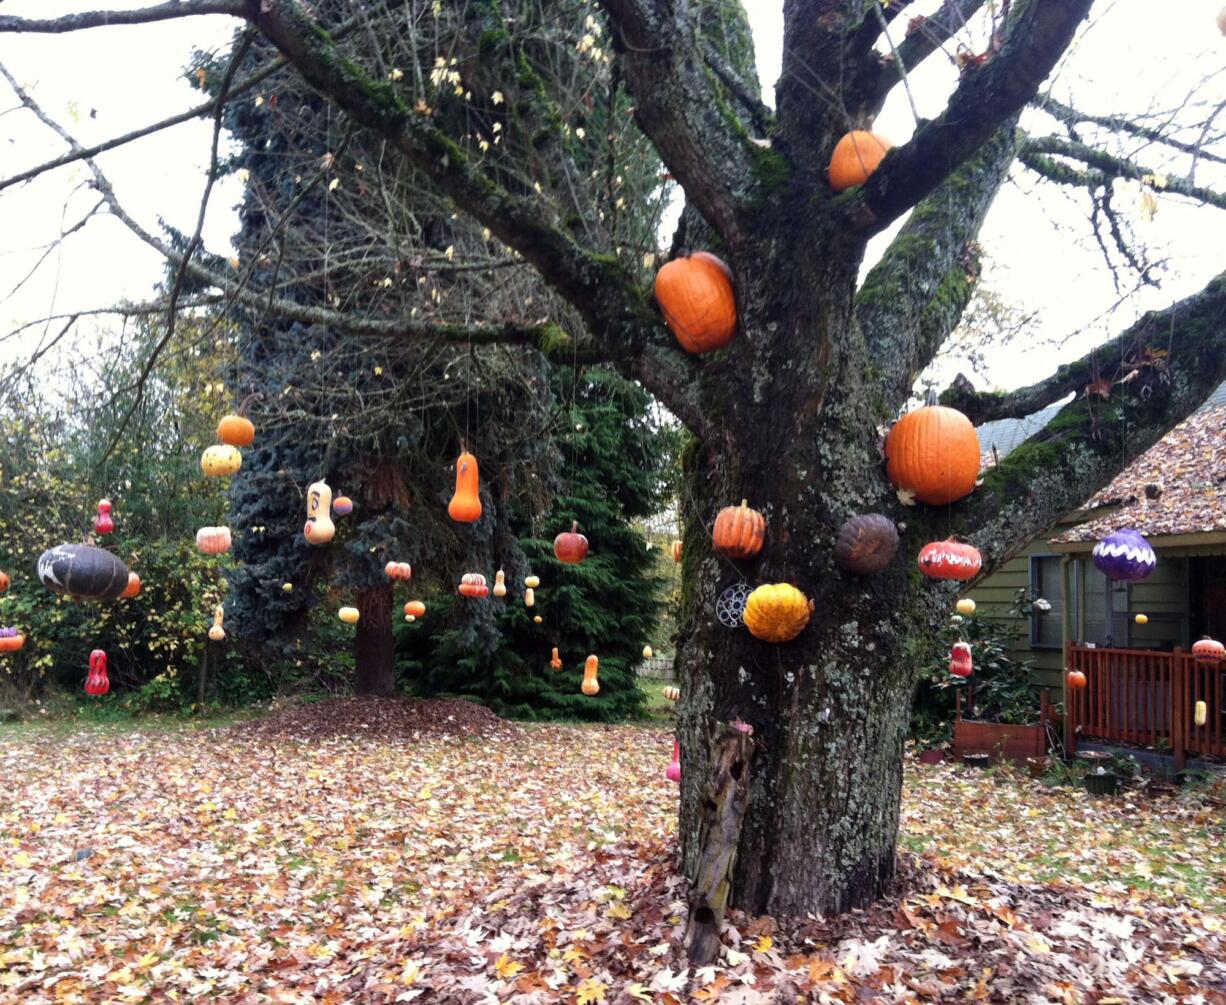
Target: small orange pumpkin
(1075, 681)
(472, 584)
(133, 587)
(739, 531)
(4, 582)
(933, 452)
(400, 571)
(11, 643)
(465, 505)
(590, 685)
(856, 156)
(236, 431)
(415, 608)
(212, 540)
(696, 298)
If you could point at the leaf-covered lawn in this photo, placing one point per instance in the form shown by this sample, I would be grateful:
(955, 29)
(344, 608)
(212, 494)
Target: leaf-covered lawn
(536, 867)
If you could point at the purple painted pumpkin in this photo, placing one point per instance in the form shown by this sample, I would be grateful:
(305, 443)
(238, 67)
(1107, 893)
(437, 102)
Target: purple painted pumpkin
(1125, 555)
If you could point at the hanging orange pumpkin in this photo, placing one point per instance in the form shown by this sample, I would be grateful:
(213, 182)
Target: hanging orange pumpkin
(739, 531)
(472, 584)
(856, 156)
(1208, 650)
(933, 452)
(950, 559)
(1075, 680)
(415, 608)
(677, 551)
(570, 546)
(696, 298)
(398, 571)
(11, 640)
(590, 685)
(213, 540)
(236, 430)
(133, 587)
(4, 582)
(555, 660)
(465, 505)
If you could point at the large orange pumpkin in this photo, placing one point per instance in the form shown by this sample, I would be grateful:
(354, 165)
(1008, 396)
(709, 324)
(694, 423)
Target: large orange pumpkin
(695, 296)
(236, 431)
(465, 505)
(856, 156)
(933, 452)
(739, 531)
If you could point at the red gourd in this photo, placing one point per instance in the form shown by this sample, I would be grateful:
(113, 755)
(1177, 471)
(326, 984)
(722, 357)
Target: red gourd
(97, 682)
(960, 664)
(103, 523)
(950, 559)
(673, 774)
(570, 546)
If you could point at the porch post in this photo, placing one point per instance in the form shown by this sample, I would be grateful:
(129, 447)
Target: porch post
(1179, 691)
(1066, 633)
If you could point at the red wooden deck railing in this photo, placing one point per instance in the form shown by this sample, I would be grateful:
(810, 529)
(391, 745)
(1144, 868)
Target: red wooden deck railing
(1148, 698)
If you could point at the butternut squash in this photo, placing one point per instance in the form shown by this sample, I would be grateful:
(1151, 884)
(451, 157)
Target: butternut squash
(465, 505)
(591, 685)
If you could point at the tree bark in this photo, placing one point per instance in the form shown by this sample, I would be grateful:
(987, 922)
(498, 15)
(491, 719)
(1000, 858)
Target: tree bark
(373, 649)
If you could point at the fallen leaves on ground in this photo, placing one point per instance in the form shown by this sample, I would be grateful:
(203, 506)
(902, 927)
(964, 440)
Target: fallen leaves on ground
(513, 864)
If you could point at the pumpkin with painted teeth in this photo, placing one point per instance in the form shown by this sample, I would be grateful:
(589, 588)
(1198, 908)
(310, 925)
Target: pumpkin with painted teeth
(950, 559)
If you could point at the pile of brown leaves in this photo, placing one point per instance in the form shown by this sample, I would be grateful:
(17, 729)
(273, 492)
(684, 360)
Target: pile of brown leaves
(380, 719)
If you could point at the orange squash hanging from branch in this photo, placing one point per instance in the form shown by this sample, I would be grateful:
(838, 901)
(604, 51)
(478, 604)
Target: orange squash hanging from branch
(236, 430)
(933, 453)
(591, 685)
(696, 298)
(856, 156)
(465, 505)
(739, 531)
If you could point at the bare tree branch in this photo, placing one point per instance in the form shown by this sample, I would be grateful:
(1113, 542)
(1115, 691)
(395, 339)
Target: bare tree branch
(168, 11)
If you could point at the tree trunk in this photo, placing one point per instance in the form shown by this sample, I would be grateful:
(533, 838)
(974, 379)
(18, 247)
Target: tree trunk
(373, 649)
(830, 709)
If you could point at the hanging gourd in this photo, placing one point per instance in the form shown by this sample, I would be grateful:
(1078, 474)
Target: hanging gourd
(1141, 619)
(671, 693)
(465, 505)
(342, 505)
(739, 531)
(933, 453)
(1201, 716)
(1208, 651)
(960, 664)
(219, 461)
(777, 612)
(415, 608)
(287, 587)
(236, 431)
(4, 582)
(866, 544)
(500, 584)
(950, 559)
(537, 619)
(398, 571)
(97, 683)
(81, 570)
(213, 540)
(856, 156)
(529, 597)
(103, 522)
(532, 582)
(133, 587)
(555, 661)
(647, 652)
(673, 774)
(217, 632)
(696, 298)
(11, 640)
(319, 527)
(570, 546)
(1075, 680)
(472, 584)
(965, 606)
(349, 615)
(590, 684)
(1125, 555)
(676, 550)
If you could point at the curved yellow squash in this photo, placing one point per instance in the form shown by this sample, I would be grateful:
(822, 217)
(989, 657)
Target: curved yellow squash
(777, 612)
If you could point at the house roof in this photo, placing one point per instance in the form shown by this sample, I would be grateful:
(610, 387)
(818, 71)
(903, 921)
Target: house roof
(1178, 486)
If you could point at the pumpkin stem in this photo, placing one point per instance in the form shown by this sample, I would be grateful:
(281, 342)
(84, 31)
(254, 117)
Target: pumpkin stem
(574, 526)
(744, 504)
(242, 405)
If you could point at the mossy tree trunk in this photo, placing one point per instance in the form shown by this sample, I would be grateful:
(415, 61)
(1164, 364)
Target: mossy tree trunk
(373, 648)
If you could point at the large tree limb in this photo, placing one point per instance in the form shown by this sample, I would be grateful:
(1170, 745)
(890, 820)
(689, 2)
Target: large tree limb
(914, 297)
(668, 69)
(1092, 439)
(1039, 153)
(168, 11)
(986, 96)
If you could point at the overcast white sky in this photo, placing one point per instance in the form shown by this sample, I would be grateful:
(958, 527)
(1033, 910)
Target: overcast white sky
(108, 81)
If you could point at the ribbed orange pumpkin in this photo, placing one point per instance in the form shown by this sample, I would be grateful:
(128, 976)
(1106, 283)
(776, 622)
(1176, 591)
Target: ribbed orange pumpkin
(236, 431)
(739, 531)
(4, 581)
(934, 453)
(472, 584)
(1075, 681)
(856, 156)
(695, 296)
(465, 505)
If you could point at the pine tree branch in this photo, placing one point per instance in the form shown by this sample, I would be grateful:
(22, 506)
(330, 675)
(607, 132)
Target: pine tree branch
(168, 11)
(1100, 168)
(914, 297)
(986, 96)
(668, 70)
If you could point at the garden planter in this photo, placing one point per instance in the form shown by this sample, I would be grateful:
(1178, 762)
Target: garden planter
(1106, 783)
(935, 756)
(977, 760)
(1000, 739)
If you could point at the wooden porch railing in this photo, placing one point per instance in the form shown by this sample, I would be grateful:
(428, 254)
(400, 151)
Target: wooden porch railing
(1148, 698)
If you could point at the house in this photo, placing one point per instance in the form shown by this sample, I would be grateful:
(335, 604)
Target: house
(1131, 639)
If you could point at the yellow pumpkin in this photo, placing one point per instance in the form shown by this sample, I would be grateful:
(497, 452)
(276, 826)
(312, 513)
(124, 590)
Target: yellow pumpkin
(349, 615)
(590, 685)
(1142, 619)
(777, 612)
(647, 652)
(319, 527)
(465, 505)
(220, 460)
(537, 619)
(966, 606)
(532, 582)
